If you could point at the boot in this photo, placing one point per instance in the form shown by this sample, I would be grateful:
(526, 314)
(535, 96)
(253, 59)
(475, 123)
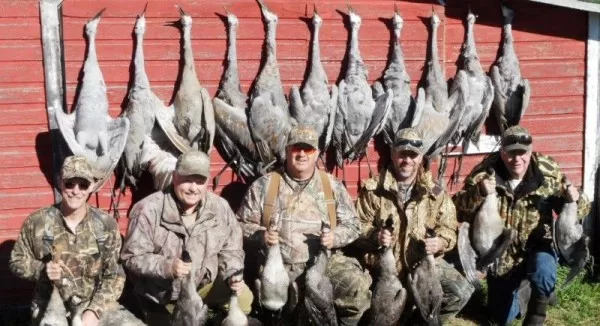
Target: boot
(523, 295)
(536, 312)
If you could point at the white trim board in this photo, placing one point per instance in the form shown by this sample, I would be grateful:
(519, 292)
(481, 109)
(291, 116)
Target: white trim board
(573, 4)
(590, 154)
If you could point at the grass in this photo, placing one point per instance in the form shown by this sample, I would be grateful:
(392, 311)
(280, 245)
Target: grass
(578, 304)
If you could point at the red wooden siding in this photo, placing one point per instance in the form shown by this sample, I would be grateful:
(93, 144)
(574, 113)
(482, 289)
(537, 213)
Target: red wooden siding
(552, 57)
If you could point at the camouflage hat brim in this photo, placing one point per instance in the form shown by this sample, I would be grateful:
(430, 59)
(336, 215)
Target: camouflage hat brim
(517, 147)
(409, 148)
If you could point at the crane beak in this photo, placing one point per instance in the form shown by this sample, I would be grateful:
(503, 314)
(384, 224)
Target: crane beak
(99, 14)
(226, 11)
(143, 12)
(396, 9)
(181, 12)
(316, 12)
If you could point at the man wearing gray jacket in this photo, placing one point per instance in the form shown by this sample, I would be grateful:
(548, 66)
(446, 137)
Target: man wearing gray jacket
(186, 216)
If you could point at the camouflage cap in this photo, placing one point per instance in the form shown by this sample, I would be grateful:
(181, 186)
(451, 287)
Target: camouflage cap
(304, 135)
(408, 139)
(516, 138)
(193, 163)
(77, 167)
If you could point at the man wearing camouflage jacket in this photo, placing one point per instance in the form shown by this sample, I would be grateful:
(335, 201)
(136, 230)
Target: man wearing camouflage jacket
(299, 210)
(186, 216)
(529, 188)
(416, 204)
(73, 247)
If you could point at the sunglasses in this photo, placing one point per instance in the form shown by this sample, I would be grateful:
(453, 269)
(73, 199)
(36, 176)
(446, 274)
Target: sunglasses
(82, 184)
(307, 149)
(517, 139)
(404, 142)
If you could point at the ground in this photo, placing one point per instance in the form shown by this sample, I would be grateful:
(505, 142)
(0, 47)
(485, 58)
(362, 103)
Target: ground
(578, 304)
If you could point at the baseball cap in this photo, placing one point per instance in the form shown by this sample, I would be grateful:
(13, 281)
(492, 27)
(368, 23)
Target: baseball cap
(516, 138)
(77, 167)
(304, 135)
(408, 139)
(193, 163)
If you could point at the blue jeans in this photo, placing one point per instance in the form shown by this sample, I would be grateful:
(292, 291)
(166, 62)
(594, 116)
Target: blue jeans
(540, 268)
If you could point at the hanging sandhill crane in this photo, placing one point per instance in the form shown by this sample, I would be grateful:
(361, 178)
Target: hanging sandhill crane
(190, 121)
(479, 94)
(141, 109)
(396, 78)
(511, 90)
(313, 105)
(90, 131)
(269, 118)
(358, 117)
(436, 115)
(233, 140)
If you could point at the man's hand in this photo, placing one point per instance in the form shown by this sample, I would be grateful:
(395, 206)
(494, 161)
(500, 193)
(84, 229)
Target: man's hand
(327, 239)
(571, 194)
(433, 245)
(384, 238)
(54, 271)
(89, 318)
(487, 186)
(271, 237)
(180, 268)
(236, 285)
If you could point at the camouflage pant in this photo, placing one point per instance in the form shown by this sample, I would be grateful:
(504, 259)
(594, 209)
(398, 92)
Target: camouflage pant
(351, 293)
(457, 290)
(215, 294)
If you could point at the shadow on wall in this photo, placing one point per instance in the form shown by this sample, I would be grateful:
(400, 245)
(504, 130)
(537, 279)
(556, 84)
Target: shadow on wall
(44, 154)
(13, 290)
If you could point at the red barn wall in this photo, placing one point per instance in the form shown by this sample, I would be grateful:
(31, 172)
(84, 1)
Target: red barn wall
(552, 57)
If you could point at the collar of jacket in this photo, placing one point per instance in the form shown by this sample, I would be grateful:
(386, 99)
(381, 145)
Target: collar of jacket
(299, 185)
(171, 214)
(424, 184)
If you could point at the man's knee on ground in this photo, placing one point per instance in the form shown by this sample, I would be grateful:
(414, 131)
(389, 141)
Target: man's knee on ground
(542, 272)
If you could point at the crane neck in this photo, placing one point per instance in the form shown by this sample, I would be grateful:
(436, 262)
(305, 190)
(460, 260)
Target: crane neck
(316, 51)
(232, 48)
(434, 47)
(396, 49)
(271, 36)
(188, 53)
(141, 79)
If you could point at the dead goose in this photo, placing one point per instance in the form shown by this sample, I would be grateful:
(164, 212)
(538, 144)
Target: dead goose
(269, 118)
(511, 91)
(141, 112)
(90, 131)
(572, 243)
(235, 315)
(397, 79)
(479, 95)
(358, 117)
(389, 297)
(190, 310)
(318, 297)
(426, 288)
(189, 122)
(233, 140)
(55, 313)
(313, 105)
(273, 284)
(433, 108)
(489, 238)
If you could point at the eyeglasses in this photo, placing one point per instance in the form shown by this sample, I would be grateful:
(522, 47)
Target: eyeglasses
(307, 149)
(517, 139)
(82, 184)
(412, 142)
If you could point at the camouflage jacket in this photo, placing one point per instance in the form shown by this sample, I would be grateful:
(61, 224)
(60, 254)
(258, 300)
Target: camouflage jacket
(528, 210)
(156, 238)
(94, 274)
(299, 210)
(429, 207)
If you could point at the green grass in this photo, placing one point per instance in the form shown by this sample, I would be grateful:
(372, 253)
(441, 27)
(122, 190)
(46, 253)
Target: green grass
(578, 304)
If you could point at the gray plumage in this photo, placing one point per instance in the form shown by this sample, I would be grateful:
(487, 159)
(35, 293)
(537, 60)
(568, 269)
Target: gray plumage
(358, 117)
(273, 284)
(432, 112)
(426, 289)
(233, 140)
(269, 119)
(397, 79)
(235, 315)
(193, 119)
(570, 240)
(141, 108)
(55, 313)
(511, 91)
(313, 105)
(318, 297)
(90, 131)
(480, 93)
(389, 297)
(190, 310)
